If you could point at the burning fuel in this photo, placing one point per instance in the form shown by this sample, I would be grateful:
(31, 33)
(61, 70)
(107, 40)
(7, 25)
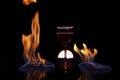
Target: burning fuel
(31, 42)
(33, 60)
(28, 2)
(87, 59)
(86, 54)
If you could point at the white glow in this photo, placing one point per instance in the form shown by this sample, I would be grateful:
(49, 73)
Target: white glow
(65, 27)
(69, 54)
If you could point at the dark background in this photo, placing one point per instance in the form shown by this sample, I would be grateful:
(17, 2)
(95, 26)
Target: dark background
(92, 23)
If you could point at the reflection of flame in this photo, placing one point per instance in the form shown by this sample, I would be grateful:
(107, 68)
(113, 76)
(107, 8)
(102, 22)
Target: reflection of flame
(27, 2)
(92, 74)
(35, 75)
(31, 42)
(65, 54)
(84, 76)
(86, 54)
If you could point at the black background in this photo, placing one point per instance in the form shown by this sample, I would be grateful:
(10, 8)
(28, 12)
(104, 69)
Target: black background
(92, 23)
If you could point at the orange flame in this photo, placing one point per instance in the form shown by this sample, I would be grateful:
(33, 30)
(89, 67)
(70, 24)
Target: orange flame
(28, 2)
(86, 54)
(35, 76)
(31, 42)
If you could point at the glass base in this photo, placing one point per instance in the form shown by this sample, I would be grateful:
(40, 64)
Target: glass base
(28, 68)
(94, 66)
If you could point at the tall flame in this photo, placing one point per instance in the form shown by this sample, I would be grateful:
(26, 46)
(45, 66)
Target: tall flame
(28, 2)
(31, 42)
(86, 54)
(35, 75)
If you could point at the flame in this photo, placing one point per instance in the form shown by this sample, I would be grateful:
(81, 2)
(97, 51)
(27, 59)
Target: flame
(86, 54)
(40, 59)
(68, 54)
(35, 75)
(28, 2)
(31, 42)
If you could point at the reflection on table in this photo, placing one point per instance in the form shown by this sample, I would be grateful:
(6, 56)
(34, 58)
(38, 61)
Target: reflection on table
(91, 74)
(35, 75)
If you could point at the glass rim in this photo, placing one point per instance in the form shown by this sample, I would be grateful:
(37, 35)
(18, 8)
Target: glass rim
(65, 33)
(65, 27)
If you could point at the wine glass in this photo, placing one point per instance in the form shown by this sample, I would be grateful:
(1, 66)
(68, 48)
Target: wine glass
(64, 35)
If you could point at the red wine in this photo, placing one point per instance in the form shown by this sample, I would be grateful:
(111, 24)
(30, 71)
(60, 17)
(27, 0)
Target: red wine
(64, 37)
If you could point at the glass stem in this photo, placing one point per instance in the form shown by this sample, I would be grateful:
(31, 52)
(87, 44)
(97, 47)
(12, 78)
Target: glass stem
(65, 53)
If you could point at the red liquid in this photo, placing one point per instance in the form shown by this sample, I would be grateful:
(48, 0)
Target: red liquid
(64, 37)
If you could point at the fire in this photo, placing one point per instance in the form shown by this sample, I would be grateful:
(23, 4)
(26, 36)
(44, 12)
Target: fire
(28, 2)
(86, 54)
(65, 54)
(31, 42)
(35, 75)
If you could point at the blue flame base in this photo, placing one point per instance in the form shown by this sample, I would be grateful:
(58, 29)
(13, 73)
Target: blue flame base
(27, 68)
(94, 66)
